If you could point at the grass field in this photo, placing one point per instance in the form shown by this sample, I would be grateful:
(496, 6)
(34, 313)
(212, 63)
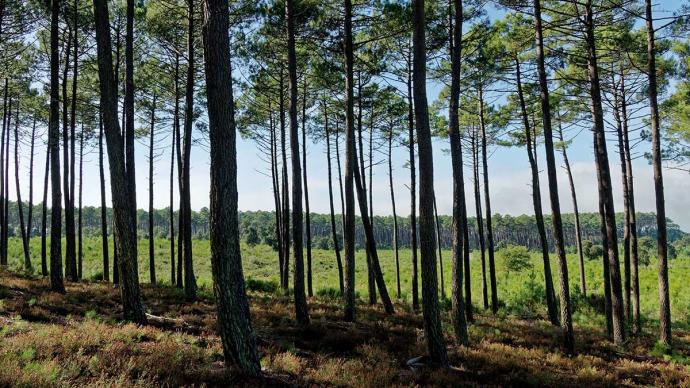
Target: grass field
(520, 292)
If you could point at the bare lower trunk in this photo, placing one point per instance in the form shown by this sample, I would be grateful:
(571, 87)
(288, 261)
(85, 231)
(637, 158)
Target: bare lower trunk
(334, 234)
(480, 221)
(44, 216)
(22, 226)
(152, 260)
(104, 209)
(396, 252)
(413, 193)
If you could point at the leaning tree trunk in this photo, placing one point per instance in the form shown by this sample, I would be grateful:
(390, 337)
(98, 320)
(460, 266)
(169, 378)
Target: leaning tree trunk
(536, 201)
(125, 235)
(234, 321)
(301, 308)
(56, 281)
(432, 321)
(664, 303)
(104, 209)
(557, 223)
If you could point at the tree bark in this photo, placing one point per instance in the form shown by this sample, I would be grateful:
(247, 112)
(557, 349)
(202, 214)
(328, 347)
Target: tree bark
(189, 278)
(56, 282)
(3, 167)
(234, 321)
(664, 300)
(80, 223)
(557, 223)
(44, 216)
(413, 189)
(72, 136)
(307, 215)
(536, 201)
(396, 252)
(20, 206)
(30, 216)
(70, 244)
(604, 178)
(334, 234)
(350, 166)
(104, 209)
(125, 235)
(152, 259)
(480, 220)
(432, 322)
(301, 308)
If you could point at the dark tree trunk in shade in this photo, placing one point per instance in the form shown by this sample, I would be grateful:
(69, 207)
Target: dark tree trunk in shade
(334, 233)
(171, 214)
(178, 149)
(340, 175)
(234, 321)
(440, 251)
(556, 221)
(286, 194)
(664, 300)
(604, 177)
(125, 235)
(30, 215)
(458, 315)
(276, 194)
(605, 273)
(73, 138)
(350, 166)
(104, 209)
(301, 308)
(432, 322)
(80, 222)
(56, 281)
(551, 303)
(189, 278)
(3, 167)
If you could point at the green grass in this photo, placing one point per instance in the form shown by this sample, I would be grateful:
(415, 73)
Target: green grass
(520, 293)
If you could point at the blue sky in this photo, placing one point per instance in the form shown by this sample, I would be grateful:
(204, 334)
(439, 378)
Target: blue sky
(508, 169)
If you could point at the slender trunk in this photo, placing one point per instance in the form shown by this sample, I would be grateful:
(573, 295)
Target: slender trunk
(307, 216)
(578, 226)
(72, 136)
(276, 194)
(22, 226)
(395, 215)
(70, 246)
(664, 301)
(487, 203)
(334, 234)
(30, 216)
(557, 223)
(104, 209)
(301, 308)
(3, 226)
(152, 260)
(371, 283)
(480, 220)
(44, 216)
(413, 190)
(432, 322)
(125, 235)
(627, 307)
(172, 205)
(234, 321)
(80, 224)
(180, 185)
(189, 278)
(604, 178)
(636, 322)
(340, 175)
(440, 250)
(606, 273)
(350, 166)
(56, 281)
(536, 201)
(286, 194)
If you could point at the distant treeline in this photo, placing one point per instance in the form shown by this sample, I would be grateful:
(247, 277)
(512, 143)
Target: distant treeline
(259, 227)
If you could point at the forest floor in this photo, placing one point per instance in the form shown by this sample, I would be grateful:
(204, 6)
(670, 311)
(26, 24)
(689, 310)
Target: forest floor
(78, 339)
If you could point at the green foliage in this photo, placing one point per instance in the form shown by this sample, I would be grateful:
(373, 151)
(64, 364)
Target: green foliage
(592, 251)
(516, 258)
(268, 286)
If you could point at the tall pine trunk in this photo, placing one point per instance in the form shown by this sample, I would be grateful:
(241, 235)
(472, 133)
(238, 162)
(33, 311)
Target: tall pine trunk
(396, 252)
(152, 259)
(56, 281)
(44, 216)
(479, 218)
(334, 233)
(307, 216)
(70, 244)
(664, 301)
(234, 321)
(20, 206)
(104, 208)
